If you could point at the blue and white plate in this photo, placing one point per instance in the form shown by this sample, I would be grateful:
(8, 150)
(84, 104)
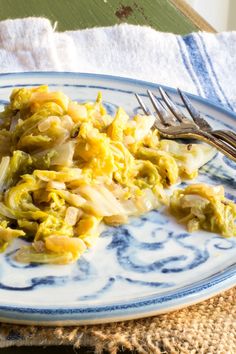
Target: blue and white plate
(151, 266)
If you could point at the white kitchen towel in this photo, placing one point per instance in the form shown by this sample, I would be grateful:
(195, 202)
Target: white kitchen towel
(200, 63)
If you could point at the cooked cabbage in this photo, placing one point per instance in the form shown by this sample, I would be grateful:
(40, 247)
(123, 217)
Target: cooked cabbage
(7, 234)
(189, 157)
(68, 168)
(201, 206)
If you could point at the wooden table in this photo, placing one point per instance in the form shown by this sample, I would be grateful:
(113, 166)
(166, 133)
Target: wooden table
(163, 15)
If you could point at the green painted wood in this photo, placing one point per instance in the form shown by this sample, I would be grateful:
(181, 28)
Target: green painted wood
(77, 14)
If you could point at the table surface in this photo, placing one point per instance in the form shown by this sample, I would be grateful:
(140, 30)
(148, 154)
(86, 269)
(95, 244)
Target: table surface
(164, 15)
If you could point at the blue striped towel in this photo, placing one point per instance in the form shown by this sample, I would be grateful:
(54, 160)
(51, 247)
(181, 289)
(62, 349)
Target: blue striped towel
(200, 63)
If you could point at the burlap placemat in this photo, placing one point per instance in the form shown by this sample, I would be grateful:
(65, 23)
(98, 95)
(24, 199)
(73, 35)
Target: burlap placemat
(208, 327)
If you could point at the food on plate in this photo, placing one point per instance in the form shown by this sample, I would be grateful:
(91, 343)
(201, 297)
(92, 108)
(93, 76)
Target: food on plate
(68, 168)
(205, 207)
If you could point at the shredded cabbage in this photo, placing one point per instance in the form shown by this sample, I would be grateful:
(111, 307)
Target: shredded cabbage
(205, 207)
(68, 168)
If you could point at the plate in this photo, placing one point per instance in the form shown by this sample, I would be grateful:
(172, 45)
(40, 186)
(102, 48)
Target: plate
(150, 266)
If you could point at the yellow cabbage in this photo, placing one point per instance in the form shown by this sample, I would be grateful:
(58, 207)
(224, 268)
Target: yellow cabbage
(189, 157)
(164, 162)
(205, 207)
(7, 234)
(116, 130)
(67, 168)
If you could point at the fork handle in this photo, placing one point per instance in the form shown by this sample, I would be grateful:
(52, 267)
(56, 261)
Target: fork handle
(208, 138)
(226, 135)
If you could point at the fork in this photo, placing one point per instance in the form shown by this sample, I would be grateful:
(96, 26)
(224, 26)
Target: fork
(226, 135)
(173, 124)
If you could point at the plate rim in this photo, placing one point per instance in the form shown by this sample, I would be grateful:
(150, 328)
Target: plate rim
(203, 100)
(202, 289)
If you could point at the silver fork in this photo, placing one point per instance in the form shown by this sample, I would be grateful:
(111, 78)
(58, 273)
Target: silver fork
(173, 124)
(226, 135)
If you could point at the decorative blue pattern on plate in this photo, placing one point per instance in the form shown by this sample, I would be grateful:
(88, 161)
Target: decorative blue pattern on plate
(152, 265)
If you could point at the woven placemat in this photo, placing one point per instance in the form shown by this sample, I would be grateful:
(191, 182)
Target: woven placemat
(208, 327)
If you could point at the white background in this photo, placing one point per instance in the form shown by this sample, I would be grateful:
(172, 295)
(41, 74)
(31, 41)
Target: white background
(221, 14)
